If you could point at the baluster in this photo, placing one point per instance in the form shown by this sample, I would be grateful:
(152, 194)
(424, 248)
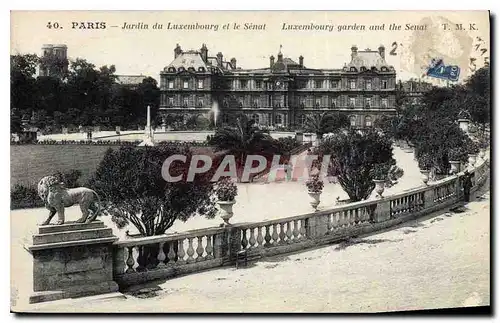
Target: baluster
(335, 220)
(130, 261)
(267, 237)
(356, 216)
(209, 249)
(329, 224)
(303, 229)
(244, 241)
(289, 231)
(190, 251)
(200, 249)
(161, 256)
(351, 217)
(141, 259)
(252, 240)
(295, 229)
(180, 252)
(346, 218)
(282, 234)
(275, 233)
(260, 238)
(171, 253)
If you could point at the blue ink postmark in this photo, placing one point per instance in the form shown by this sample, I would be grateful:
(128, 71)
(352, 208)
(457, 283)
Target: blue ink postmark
(438, 69)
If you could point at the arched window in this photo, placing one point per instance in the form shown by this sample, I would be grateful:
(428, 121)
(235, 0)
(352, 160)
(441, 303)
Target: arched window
(278, 119)
(353, 69)
(256, 118)
(368, 121)
(181, 69)
(353, 120)
(384, 69)
(363, 69)
(201, 69)
(171, 69)
(191, 69)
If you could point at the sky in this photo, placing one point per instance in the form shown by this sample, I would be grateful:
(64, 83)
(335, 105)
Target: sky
(148, 51)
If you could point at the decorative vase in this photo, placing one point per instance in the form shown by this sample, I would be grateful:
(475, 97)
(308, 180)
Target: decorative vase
(314, 199)
(425, 175)
(379, 187)
(472, 159)
(455, 166)
(226, 210)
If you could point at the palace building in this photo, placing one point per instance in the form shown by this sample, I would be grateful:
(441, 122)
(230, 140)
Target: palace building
(282, 94)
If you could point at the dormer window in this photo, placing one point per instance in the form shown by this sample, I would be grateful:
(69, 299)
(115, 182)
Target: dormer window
(363, 69)
(201, 69)
(171, 69)
(353, 69)
(384, 69)
(191, 69)
(181, 69)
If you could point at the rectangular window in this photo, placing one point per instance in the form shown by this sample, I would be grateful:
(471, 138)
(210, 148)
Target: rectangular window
(384, 84)
(170, 101)
(368, 102)
(352, 102)
(335, 84)
(384, 103)
(258, 84)
(185, 101)
(185, 84)
(368, 84)
(318, 103)
(352, 84)
(200, 102)
(170, 84)
(200, 84)
(318, 84)
(244, 84)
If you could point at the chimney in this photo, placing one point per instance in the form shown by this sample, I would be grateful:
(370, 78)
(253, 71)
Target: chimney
(219, 59)
(271, 61)
(204, 53)
(177, 51)
(301, 61)
(354, 51)
(233, 62)
(381, 51)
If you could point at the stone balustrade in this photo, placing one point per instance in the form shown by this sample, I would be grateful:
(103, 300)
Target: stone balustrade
(144, 259)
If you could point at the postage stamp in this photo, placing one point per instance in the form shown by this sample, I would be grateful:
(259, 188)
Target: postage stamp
(189, 161)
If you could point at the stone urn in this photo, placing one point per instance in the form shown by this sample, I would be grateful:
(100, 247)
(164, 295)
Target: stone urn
(425, 175)
(455, 166)
(315, 199)
(226, 210)
(472, 159)
(379, 187)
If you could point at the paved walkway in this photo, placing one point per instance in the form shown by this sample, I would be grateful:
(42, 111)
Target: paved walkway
(438, 262)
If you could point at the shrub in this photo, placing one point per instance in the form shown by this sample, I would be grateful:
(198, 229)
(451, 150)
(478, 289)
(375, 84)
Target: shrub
(380, 171)
(22, 197)
(70, 179)
(130, 183)
(226, 190)
(425, 161)
(357, 157)
(287, 144)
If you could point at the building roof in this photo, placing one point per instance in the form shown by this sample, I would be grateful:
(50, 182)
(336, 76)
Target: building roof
(368, 59)
(188, 59)
(130, 79)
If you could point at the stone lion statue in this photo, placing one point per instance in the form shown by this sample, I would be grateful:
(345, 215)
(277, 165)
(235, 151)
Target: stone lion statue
(56, 197)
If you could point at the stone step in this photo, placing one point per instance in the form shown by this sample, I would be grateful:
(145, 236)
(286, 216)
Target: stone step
(72, 236)
(69, 226)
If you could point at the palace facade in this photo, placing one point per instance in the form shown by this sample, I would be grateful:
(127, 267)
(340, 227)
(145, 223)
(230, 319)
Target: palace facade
(280, 95)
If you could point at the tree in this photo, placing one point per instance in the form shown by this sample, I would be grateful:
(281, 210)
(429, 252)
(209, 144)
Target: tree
(354, 157)
(323, 123)
(242, 140)
(22, 88)
(130, 183)
(478, 91)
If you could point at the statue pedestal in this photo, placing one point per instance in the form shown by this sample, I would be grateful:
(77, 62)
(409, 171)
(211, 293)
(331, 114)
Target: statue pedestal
(72, 260)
